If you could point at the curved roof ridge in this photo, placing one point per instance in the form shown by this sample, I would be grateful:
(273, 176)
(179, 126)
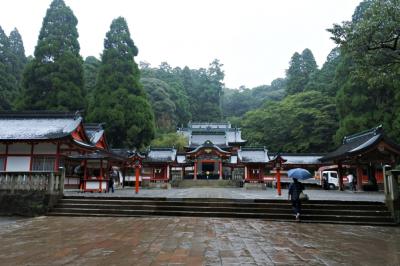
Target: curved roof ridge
(373, 131)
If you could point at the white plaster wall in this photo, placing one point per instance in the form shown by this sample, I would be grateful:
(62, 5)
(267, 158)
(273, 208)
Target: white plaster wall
(45, 148)
(18, 163)
(71, 181)
(96, 185)
(19, 148)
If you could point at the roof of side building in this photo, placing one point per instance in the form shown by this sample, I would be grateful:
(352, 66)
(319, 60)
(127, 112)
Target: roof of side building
(37, 125)
(360, 142)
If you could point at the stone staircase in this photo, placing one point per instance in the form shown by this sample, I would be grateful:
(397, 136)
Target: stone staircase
(316, 211)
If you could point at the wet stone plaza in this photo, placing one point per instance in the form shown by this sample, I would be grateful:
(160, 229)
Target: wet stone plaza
(192, 241)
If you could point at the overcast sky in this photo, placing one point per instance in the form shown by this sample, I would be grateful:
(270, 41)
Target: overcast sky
(254, 39)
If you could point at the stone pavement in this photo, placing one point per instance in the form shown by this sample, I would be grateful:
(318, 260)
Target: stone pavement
(192, 241)
(234, 193)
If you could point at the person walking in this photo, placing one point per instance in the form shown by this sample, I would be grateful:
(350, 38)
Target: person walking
(111, 184)
(295, 189)
(354, 184)
(350, 180)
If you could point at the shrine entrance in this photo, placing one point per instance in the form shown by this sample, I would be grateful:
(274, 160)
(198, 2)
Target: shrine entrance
(208, 169)
(207, 161)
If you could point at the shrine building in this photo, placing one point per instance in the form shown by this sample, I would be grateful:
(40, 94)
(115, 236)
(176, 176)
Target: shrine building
(216, 151)
(36, 142)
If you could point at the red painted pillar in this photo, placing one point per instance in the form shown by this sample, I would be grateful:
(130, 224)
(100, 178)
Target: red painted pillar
(220, 169)
(137, 168)
(359, 177)
(278, 181)
(57, 163)
(84, 175)
(195, 171)
(101, 175)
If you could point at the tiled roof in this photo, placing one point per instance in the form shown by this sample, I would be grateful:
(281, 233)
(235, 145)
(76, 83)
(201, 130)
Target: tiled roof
(161, 155)
(217, 139)
(37, 125)
(217, 133)
(301, 158)
(208, 144)
(253, 155)
(209, 125)
(97, 155)
(94, 132)
(122, 152)
(357, 143)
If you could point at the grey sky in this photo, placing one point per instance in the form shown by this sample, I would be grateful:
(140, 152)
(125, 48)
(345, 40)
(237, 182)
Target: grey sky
(254, 39)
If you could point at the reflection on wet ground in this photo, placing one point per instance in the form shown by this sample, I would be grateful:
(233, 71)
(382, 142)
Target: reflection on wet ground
(192, 241)
(234, 193)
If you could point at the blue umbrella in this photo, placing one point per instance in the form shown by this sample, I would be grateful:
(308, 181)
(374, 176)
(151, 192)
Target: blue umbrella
(299, 173)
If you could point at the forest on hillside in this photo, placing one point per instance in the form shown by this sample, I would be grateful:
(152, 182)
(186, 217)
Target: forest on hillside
(308, 110)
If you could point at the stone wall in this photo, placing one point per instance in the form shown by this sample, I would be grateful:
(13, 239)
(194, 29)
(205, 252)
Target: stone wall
(29, 194)
(26, 203)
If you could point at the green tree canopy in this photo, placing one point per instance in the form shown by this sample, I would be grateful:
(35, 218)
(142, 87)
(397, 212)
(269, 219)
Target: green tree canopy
(18, 50)
(119, 99)
(90, 72)
(236, 102)
(163, 106)
(8, 81)
(369, 72)
(53, 80)
(170, 140)
(174, 90)
(300, 69)
(303, 122)
(324, 80)
(204, 88)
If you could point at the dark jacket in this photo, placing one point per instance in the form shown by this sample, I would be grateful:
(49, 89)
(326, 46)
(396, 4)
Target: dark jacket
(295, 189)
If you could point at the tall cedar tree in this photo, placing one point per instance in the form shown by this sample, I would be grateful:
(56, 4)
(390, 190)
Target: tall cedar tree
(8, 83)
(90, 72)
(17, 48)
(53, 80)
(119, 99)
(300, 70)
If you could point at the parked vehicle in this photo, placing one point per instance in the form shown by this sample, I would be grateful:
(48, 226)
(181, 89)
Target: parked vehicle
(330, 179)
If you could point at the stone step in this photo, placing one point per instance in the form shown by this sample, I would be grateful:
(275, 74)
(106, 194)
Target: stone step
(203, 200)
(281, 203)
(212, 213)
(259, 209)
(347, 212)
(96, 215)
